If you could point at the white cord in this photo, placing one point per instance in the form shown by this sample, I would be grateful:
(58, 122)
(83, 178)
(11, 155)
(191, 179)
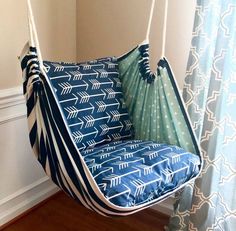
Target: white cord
(33, 41)
(164, 30)
(150, 20)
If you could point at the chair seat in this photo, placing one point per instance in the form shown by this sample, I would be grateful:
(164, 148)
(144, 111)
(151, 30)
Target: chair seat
(134, 172)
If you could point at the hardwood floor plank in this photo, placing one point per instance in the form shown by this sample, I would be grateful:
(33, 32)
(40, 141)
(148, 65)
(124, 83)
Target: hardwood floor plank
(61, 213)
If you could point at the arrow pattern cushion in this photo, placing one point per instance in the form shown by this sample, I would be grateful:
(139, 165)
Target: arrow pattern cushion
(134, 172)
(90, 95)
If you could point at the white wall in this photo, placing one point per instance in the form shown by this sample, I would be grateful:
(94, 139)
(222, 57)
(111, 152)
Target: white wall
(111, 27)
(56, 23)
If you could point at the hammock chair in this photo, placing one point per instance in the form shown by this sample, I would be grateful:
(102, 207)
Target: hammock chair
(110, 133)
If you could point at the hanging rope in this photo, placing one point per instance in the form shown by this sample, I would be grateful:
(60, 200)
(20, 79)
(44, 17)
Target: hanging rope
(164, 29)
(150, 20)
(164, 26)
(33, 41)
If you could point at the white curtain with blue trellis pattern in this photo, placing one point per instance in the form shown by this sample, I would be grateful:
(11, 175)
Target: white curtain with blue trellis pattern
(210, 96)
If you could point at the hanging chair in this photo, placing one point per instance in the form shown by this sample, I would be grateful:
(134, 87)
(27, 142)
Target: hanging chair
(109, 132)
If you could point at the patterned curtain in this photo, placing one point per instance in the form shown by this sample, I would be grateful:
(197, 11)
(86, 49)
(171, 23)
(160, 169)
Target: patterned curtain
(210, 95)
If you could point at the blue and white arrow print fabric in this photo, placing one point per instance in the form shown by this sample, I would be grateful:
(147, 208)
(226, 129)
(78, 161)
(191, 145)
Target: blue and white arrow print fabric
(134, 172)
(91, 98)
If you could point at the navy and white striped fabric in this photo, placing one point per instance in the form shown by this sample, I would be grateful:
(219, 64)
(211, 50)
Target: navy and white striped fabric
(73, 171)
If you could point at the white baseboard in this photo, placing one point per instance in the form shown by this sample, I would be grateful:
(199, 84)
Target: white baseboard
(26, 198)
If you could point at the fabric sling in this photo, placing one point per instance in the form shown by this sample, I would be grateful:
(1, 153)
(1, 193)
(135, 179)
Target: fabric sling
(109, 132)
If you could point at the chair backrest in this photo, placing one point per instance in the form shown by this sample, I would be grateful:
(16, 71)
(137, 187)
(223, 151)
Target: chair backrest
(90, 95)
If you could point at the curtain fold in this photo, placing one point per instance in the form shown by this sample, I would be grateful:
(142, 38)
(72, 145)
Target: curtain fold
(210, 97)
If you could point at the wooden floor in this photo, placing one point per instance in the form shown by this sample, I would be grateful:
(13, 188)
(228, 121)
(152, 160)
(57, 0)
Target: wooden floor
(62, 213)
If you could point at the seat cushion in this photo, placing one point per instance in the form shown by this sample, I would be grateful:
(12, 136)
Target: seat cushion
(133, 172)
(91, 99)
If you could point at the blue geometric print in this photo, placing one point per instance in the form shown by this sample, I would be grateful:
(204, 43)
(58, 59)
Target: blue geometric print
(91, 98)
(130, 173)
